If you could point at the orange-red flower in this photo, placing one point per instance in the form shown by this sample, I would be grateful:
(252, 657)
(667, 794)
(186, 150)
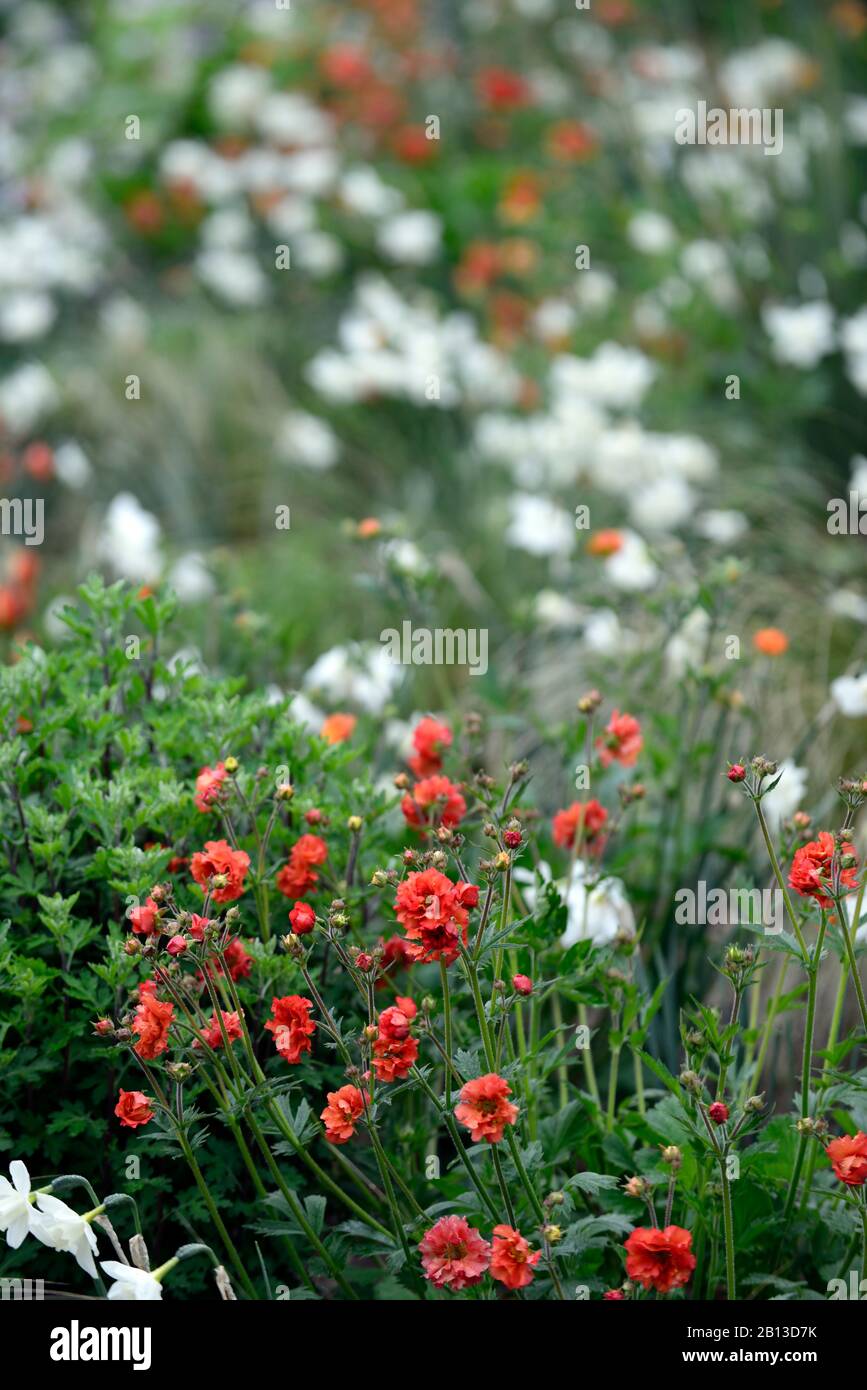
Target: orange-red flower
(429, 738)
(771, 641)
(144, 920)
(571, 140)
(343, 1111)
(848, 1156)
(213, 1034)
(338, 728)
(394, 1050)
(605, 542)
(512, 1260)
(453, 1254)
(133, 1108)
(500, 89)
(219, 860)
(621, 742)
(298, 876)
(660, 1260)
(591, 814)
(436, 801)
(485, 1109)
(208, 784)
(291, 1026)
(433, 912)
(151, 1023)
(811, 870)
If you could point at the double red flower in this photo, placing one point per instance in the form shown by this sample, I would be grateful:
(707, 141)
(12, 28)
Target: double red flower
(434, 801)
(219, 860)
(433, 912)
(660, 1260)
(485, 1109)
(292, 1026)
(343, 1111)
(394, 1050)
(429, 738)
(811, 870)
(299, 876)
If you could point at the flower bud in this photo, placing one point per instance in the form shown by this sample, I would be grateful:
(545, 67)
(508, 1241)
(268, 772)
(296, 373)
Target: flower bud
(231, 766)
(589, 702)
(354, 824)
(285, 791)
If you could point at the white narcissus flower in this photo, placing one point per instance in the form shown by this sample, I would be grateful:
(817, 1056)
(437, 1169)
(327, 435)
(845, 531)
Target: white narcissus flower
(131, 1284)
(61, 1228)
(850, 695)
(18, 1215)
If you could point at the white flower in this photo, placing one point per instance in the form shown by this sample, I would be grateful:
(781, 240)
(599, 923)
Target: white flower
(847, 603)
(787, 796)
(26, 396)
(615, 376)
(233, 275)
(303, 711)
(631, 567)
(26, 315)
(236, 92)
(130, 539)
(71, 464)
(800, 334)
(304, 439)
(722, 527)
(539, 526)
(603, 633)
(411, 238)
(363, 191)
(687, 649)
(18, 1215)
(363, 675)
(131, 1284)
(598, 911)
(662, 505)
(850, 695)
(190, 579)
(554, 610)
(404, 557)
(553, 320)
(651, 233)
(61, 1228)
(290, 119)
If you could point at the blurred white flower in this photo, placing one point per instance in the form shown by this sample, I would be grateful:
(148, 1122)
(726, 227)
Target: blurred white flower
(722, 527)
(662, 505)
(131, 1284)
(686, 650)
(554, 610)
(26, 396)
(553, 320)
(356, 674)
(539, 526)
(71, 464)
(787, 797)
(801, 334)
(302, 711)
(615, 376)
(597, 911)
(191, 579)
(631, 567)
(853, 339)
(755, 76)
(129, 540)
(603, 633)
(304, 439)
(61, 1228)
(26, 315)
(846, 603)
(404, 557)
(288, 118)
(411, 238)
(18, 1215)
(234, 276)
(235, 94)
(124, 321)
(651, 233)
(850, 695)
(361, 190)
(319, 253)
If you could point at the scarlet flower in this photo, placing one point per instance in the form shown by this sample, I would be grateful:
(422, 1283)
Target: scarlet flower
(485, 1109)
(291, 1026)
(512, 1260)
(411, 145)
(613, 1295)
(208, 784)
(660, 1260)
(303, 918)
(144, 919)
(522, 984)
(397, 952)
(198, 925)
(848, 1156)
(429, 738)
(571, 140)
(394, 1051)
(438, 796)
(151, 1023)
(133, 1108)
(433, 912)
(213, 1034)
(340, 1116)
(338, 728)
(502, 90)
(177, 945)
(591, 814)
(622, 740)
(718, 1112)
(605, 543)
(453, 1254)
(771, 641)
(344, 65)
(811, 870)
(218, 858)
(238, 959)
(298, 876)
(737, 772)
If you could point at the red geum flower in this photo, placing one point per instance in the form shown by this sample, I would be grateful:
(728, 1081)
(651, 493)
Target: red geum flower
(718, 1112)
(219, 860)
(811, 870)
(213, 1034)
(512, 1260)
(208, 784)
(344, 65)
(198, 925)
(522, 984)
(177, 945)
(394, 1051)
(848, 1156)
(151, 1023)
(737, 772)
(411, 145)
(614, 1295)
(298, 876)
(432, 911)
(434, 800)
(238, 959)
(660, 1260)
(501, 89)
(291, 1026)
(485, 1109)
(571, 140)
(144, 920)
(133, 1108)
(303, 918)
(621, 742)
(363, 961)
(591, 814)
(429, 738)
(343, 1111)
(453, 1254)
